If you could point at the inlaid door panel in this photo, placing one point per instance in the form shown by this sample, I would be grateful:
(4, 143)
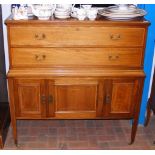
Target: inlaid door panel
(30, 98)
(76, 98)
(119, 97)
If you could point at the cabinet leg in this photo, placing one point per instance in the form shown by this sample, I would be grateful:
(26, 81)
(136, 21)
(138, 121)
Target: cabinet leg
(16, 143)
(12, 109)
(133, 131)
(14, 130)
(148, 114)
(1, 143)
(140, 84)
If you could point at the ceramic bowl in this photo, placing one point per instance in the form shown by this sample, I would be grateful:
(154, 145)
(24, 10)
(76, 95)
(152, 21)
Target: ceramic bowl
(43, 12)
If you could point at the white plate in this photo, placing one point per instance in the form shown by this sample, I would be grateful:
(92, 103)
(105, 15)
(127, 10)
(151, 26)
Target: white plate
(62, 10)
(62, 14)
(138, 11)
(62, 17)
(122, 16)
(115, 9)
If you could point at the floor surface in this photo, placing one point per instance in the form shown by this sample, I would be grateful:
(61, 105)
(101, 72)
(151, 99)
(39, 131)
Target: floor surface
(81, 135)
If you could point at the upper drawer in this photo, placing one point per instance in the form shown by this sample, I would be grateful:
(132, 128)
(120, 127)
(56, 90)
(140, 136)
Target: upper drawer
(76, 57)
(76, 36)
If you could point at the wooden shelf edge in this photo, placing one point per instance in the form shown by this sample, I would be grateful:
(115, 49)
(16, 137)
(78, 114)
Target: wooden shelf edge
(74, 72)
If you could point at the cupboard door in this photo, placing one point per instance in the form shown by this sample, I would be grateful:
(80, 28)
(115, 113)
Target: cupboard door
(30, 98)
(75, 98)
(119, 97)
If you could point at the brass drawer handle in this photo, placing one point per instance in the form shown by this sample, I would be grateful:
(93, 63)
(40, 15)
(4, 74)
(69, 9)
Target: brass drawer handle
(115, 36)
(40, 36)
(40, 57)
(113, 57)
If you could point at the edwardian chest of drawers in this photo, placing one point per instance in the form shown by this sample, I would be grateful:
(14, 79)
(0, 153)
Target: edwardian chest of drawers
(76, 69)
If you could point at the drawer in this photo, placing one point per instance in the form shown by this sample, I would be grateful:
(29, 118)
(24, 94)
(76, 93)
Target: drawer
(76, 36)
(74, 57)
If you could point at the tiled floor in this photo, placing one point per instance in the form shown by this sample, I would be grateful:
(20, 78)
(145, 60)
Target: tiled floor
(81, 134)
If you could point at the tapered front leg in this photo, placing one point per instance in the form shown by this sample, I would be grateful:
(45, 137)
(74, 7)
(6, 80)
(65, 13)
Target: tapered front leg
(133, 131)
(14, 130)
(1, 143)
(12, 109)
(137, 109)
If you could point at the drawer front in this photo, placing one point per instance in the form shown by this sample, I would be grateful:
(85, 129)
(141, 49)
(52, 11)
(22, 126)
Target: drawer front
(74, 57)
(76, 36)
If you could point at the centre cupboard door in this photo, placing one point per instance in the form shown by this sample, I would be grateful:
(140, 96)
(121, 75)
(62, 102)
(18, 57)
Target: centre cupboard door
(73, 98)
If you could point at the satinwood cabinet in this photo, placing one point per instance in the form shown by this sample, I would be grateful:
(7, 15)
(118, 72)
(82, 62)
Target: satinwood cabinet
(70, 69)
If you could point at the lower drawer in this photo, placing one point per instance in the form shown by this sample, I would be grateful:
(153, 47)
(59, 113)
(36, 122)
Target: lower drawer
(74, 57)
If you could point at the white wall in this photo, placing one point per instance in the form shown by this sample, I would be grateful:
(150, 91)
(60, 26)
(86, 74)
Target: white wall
(6, 11)
(151, 79)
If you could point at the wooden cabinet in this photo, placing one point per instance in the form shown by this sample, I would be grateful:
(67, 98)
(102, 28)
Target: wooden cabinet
(70, 69)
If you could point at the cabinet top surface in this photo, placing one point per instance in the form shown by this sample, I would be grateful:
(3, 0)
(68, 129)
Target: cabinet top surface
(72, 21)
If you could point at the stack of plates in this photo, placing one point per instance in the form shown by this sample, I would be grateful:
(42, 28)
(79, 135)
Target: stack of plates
(62, 13)
(117, 13)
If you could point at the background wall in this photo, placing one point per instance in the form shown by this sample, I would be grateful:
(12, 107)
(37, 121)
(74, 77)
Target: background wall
(149, 53)
(3, 82)
(6, 11)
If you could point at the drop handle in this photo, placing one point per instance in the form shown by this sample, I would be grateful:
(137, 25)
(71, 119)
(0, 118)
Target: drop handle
(113, 57)
(115, 36)
(39, 36)
(40, 57)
